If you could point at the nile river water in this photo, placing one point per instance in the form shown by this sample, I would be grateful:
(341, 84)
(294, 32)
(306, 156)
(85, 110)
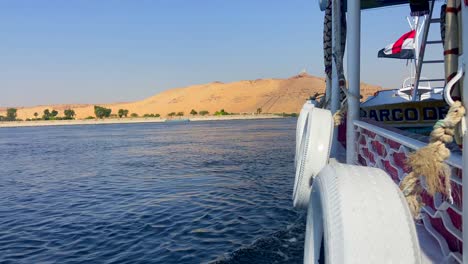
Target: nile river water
(150, 193)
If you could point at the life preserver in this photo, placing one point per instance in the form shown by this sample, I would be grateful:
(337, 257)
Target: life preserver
(362, 217)
(313, 142)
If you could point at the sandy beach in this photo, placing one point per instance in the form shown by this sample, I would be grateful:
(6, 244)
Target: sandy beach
(128, 120)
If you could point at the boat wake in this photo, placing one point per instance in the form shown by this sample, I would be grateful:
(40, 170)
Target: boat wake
(284, 246)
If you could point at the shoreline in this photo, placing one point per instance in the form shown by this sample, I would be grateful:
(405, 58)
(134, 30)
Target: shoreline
(40, 123)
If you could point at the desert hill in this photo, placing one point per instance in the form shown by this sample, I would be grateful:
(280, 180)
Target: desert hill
(271, 95)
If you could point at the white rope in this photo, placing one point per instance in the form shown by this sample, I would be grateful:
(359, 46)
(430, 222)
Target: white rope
(428, 163)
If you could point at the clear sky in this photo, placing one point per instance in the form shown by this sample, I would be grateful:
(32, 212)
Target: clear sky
(88, 51)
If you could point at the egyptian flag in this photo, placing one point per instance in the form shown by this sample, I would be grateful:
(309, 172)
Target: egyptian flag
(403, 48)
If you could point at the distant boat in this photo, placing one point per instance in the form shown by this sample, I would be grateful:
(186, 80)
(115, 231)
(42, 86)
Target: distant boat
(178, 120)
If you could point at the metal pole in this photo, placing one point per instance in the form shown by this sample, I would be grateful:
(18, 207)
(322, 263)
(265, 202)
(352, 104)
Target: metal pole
(464, 60)
(336, 44)
(354, 71)
(416, 54)
(421, 52)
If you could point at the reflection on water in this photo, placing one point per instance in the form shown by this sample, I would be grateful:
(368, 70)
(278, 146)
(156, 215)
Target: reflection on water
(134, 193)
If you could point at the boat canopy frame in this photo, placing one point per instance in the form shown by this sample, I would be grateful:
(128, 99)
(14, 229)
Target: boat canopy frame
(370, 4)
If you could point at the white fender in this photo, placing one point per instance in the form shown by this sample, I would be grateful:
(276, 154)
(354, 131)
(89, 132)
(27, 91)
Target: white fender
(362, 216)
(300, 126)
(313, 143)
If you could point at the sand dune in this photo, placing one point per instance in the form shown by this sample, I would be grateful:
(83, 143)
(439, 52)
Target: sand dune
(272, 95)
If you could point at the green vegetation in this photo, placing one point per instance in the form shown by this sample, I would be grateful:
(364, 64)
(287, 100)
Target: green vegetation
(180, 113)
(193, 112)
(11, 114)
(221, 113)
(171, 114)
(151, 115)
(288, 115)
(90, 117)
(2, 118)
(102, 112)
(123, 112)
(46, 115)
(134, 115)
(203, 112)
(49, 115)
(69, 114)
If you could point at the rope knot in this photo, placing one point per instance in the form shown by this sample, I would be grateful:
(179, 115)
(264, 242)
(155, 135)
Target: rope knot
(429, 164)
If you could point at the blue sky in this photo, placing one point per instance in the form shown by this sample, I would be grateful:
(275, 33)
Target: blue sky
(88, 51)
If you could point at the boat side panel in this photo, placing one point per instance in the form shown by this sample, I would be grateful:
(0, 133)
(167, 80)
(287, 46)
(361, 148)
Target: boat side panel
(388, 150)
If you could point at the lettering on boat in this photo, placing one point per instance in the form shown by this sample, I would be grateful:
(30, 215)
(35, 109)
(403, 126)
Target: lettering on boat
(414, 113)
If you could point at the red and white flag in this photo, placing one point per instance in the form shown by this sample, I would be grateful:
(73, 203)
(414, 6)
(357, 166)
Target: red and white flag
(403, 48)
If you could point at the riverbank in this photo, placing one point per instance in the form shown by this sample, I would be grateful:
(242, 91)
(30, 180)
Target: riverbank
(128, 120)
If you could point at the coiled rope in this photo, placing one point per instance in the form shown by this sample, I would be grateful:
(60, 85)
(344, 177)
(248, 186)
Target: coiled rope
(428, 163)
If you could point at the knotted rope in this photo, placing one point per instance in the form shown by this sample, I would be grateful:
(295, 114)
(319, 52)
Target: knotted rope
(338, 116)
(428, 163)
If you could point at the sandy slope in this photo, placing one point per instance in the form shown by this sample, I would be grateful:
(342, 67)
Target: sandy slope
(272, 95)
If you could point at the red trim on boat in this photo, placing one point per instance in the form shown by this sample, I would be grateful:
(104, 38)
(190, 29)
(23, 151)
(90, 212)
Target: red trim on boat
(451, 51)
(453, 9)
(450, 77)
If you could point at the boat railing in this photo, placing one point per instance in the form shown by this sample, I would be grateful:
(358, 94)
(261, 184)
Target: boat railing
(386, 149)
(409, 82)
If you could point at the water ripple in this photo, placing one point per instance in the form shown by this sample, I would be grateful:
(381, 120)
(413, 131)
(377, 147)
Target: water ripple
(158, 193)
